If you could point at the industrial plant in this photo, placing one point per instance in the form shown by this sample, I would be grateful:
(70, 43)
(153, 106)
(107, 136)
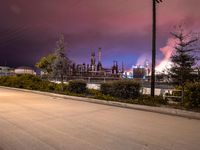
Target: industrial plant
(94, 69)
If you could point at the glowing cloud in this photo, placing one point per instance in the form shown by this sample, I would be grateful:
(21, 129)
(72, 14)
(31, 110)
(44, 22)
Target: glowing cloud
(167, 52)
(142, 59)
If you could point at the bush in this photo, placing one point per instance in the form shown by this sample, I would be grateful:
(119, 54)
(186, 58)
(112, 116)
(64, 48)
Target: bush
(27, 82)
(58, 88)
(47, 86)
(98, 95)
(9, 81)
(77, 86)
(121, 89)
(150, 101)
(192, 95)
(106, 88)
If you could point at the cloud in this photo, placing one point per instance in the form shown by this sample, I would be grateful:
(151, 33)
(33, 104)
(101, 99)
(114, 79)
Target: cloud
(121, 27)
(15, 9)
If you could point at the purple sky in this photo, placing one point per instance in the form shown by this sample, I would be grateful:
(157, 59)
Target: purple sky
(30, 28)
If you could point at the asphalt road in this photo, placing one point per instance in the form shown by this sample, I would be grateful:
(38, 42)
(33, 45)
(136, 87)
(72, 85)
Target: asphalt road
(35, 122)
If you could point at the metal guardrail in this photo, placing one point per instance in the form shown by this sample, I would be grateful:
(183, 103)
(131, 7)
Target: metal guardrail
(173, 96)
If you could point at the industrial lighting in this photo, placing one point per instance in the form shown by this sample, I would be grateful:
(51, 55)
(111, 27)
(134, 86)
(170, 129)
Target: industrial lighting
(159, 1)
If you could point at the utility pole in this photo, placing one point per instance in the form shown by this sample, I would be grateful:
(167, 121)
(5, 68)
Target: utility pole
(154, 2)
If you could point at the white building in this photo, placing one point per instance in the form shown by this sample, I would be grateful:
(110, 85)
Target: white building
(6, 71)
(25, 70)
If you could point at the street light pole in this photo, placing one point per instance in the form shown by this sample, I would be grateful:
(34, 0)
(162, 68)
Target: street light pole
(154, 2)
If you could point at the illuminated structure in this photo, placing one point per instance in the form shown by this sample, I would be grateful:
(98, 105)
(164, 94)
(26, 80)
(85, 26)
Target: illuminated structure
(99, 65)
(25, 70)
(138, 72)
(6, 71)
(96, 69)
(93, 62)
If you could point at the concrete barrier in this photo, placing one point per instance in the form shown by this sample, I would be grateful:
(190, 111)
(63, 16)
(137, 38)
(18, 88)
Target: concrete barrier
(168, 111)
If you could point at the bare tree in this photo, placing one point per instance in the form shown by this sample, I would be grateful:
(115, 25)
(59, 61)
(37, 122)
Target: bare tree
(61, 63)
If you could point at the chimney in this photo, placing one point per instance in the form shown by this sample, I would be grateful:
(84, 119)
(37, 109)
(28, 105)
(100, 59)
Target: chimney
(99, 57)
(122, 67)
(92, 58)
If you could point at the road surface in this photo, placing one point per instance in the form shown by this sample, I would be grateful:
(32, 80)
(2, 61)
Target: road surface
(36, 122)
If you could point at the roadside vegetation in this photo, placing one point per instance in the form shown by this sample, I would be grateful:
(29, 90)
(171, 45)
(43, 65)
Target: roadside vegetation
(120, 91)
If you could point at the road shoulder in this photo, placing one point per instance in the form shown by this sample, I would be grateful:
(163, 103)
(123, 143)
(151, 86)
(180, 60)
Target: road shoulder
(168, 111)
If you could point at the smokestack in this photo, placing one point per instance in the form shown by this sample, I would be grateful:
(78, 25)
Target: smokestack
(114, 62)
(92, 53)
(122, 67)
(92, 58)
(99, 57)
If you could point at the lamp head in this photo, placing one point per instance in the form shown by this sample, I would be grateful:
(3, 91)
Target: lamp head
(159, 1)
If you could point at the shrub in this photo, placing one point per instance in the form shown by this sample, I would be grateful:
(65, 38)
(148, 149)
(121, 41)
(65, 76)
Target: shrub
(77, 86)
(26, 81)
(192, 95)
(58, 88)
(8, 81)
(29, 82)
(148, 100)
(98, 95)
(121, 89)
(47, 86)
(106, 88)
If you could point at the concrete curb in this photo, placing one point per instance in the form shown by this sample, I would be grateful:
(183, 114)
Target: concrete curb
(168, 111)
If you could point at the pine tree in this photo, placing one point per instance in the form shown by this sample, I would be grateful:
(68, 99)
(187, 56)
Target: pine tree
(61, 63)
(183, 59)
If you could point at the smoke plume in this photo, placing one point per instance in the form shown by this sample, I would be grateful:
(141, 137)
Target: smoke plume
(167, 52)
